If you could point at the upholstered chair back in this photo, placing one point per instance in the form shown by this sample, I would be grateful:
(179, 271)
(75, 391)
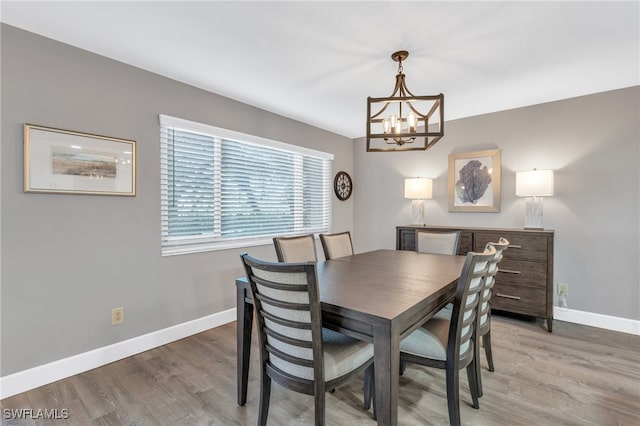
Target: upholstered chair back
(336, 245)
(437, 242)
(295, 249)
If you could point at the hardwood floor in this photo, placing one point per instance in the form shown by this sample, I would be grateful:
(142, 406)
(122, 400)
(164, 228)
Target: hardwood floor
(576, 375)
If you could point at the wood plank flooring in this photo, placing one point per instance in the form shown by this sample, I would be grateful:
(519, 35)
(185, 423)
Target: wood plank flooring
(576, 375)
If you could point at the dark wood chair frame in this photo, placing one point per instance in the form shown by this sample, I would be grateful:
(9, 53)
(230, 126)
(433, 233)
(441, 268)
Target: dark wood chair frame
(325, 243)
(484, 307)
(454, 362)
(318, 386)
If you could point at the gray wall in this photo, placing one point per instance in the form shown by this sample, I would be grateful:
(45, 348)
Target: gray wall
(591, 142)
(67, 260)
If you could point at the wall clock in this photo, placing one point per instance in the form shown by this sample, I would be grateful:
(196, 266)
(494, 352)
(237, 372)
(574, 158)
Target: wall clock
(342, 185)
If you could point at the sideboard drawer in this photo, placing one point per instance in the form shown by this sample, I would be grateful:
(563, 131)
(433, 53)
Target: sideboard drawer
(519, 299)
(522, 272)
(465, 245)
(406, 240)
(521, 246)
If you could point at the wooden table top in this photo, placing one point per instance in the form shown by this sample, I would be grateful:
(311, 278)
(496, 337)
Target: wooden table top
(386, 283)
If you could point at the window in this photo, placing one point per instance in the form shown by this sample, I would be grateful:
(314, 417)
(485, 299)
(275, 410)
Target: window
(222, 189)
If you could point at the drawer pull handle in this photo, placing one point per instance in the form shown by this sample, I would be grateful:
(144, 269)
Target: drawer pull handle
(514, 246)
(509, 271)
(506, 296)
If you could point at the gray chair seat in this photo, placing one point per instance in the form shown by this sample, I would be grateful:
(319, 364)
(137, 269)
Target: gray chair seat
(430, 341)
(343, 353)
(444, 313)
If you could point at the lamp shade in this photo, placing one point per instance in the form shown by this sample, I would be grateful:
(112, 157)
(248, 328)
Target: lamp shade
(534, 183)
(418, 188)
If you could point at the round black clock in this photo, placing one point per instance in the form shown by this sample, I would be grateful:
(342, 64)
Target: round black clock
(342, 185)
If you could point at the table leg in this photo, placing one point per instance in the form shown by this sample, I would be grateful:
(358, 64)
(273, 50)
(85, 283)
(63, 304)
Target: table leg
(244, 313)
(386, 353)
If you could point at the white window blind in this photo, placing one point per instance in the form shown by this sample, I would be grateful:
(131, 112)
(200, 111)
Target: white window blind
(222, 189)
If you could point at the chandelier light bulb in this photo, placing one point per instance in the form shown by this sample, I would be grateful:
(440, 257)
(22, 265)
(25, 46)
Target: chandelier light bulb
(386, 125)
(398, 127)
(411, 120)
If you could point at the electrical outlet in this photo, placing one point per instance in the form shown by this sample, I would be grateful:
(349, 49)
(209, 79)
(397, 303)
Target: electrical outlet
(563, 289)
(117, 316)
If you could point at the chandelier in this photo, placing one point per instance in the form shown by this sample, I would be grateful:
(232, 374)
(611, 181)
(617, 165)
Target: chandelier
(396, 123)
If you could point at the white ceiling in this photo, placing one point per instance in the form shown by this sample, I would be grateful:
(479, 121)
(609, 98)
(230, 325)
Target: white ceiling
(317, 62)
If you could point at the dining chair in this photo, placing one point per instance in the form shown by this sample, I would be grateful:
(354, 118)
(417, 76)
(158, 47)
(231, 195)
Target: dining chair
(336, 245)
(448, 343)
(437, 242)
(300, 248)
(295, 350)
(484, 308)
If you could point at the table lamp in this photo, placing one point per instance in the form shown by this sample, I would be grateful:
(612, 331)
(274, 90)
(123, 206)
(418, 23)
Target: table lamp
(418, 190)
(534, 185)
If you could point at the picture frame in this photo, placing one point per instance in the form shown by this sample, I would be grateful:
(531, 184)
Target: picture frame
(70, 162)
(474, 181)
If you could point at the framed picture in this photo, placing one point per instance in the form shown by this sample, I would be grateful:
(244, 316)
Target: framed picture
(70, 162)
(474, 181)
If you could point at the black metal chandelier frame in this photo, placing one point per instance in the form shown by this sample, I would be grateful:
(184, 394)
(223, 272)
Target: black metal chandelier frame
(412, 124)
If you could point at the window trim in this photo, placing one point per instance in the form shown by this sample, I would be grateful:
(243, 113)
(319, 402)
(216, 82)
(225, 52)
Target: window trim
(219, 132)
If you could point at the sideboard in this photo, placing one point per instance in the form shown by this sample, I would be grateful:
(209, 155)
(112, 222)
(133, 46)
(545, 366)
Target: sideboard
(524, 284)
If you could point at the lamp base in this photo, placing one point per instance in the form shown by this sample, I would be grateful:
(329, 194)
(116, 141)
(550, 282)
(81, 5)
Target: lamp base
(533, 213)
(417, 212)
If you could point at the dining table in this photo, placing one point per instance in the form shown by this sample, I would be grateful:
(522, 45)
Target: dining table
(378, 296)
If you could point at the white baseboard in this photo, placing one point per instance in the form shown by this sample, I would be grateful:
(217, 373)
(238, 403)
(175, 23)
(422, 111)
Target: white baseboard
(41, 375)
(32, 378)
(607, 322)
